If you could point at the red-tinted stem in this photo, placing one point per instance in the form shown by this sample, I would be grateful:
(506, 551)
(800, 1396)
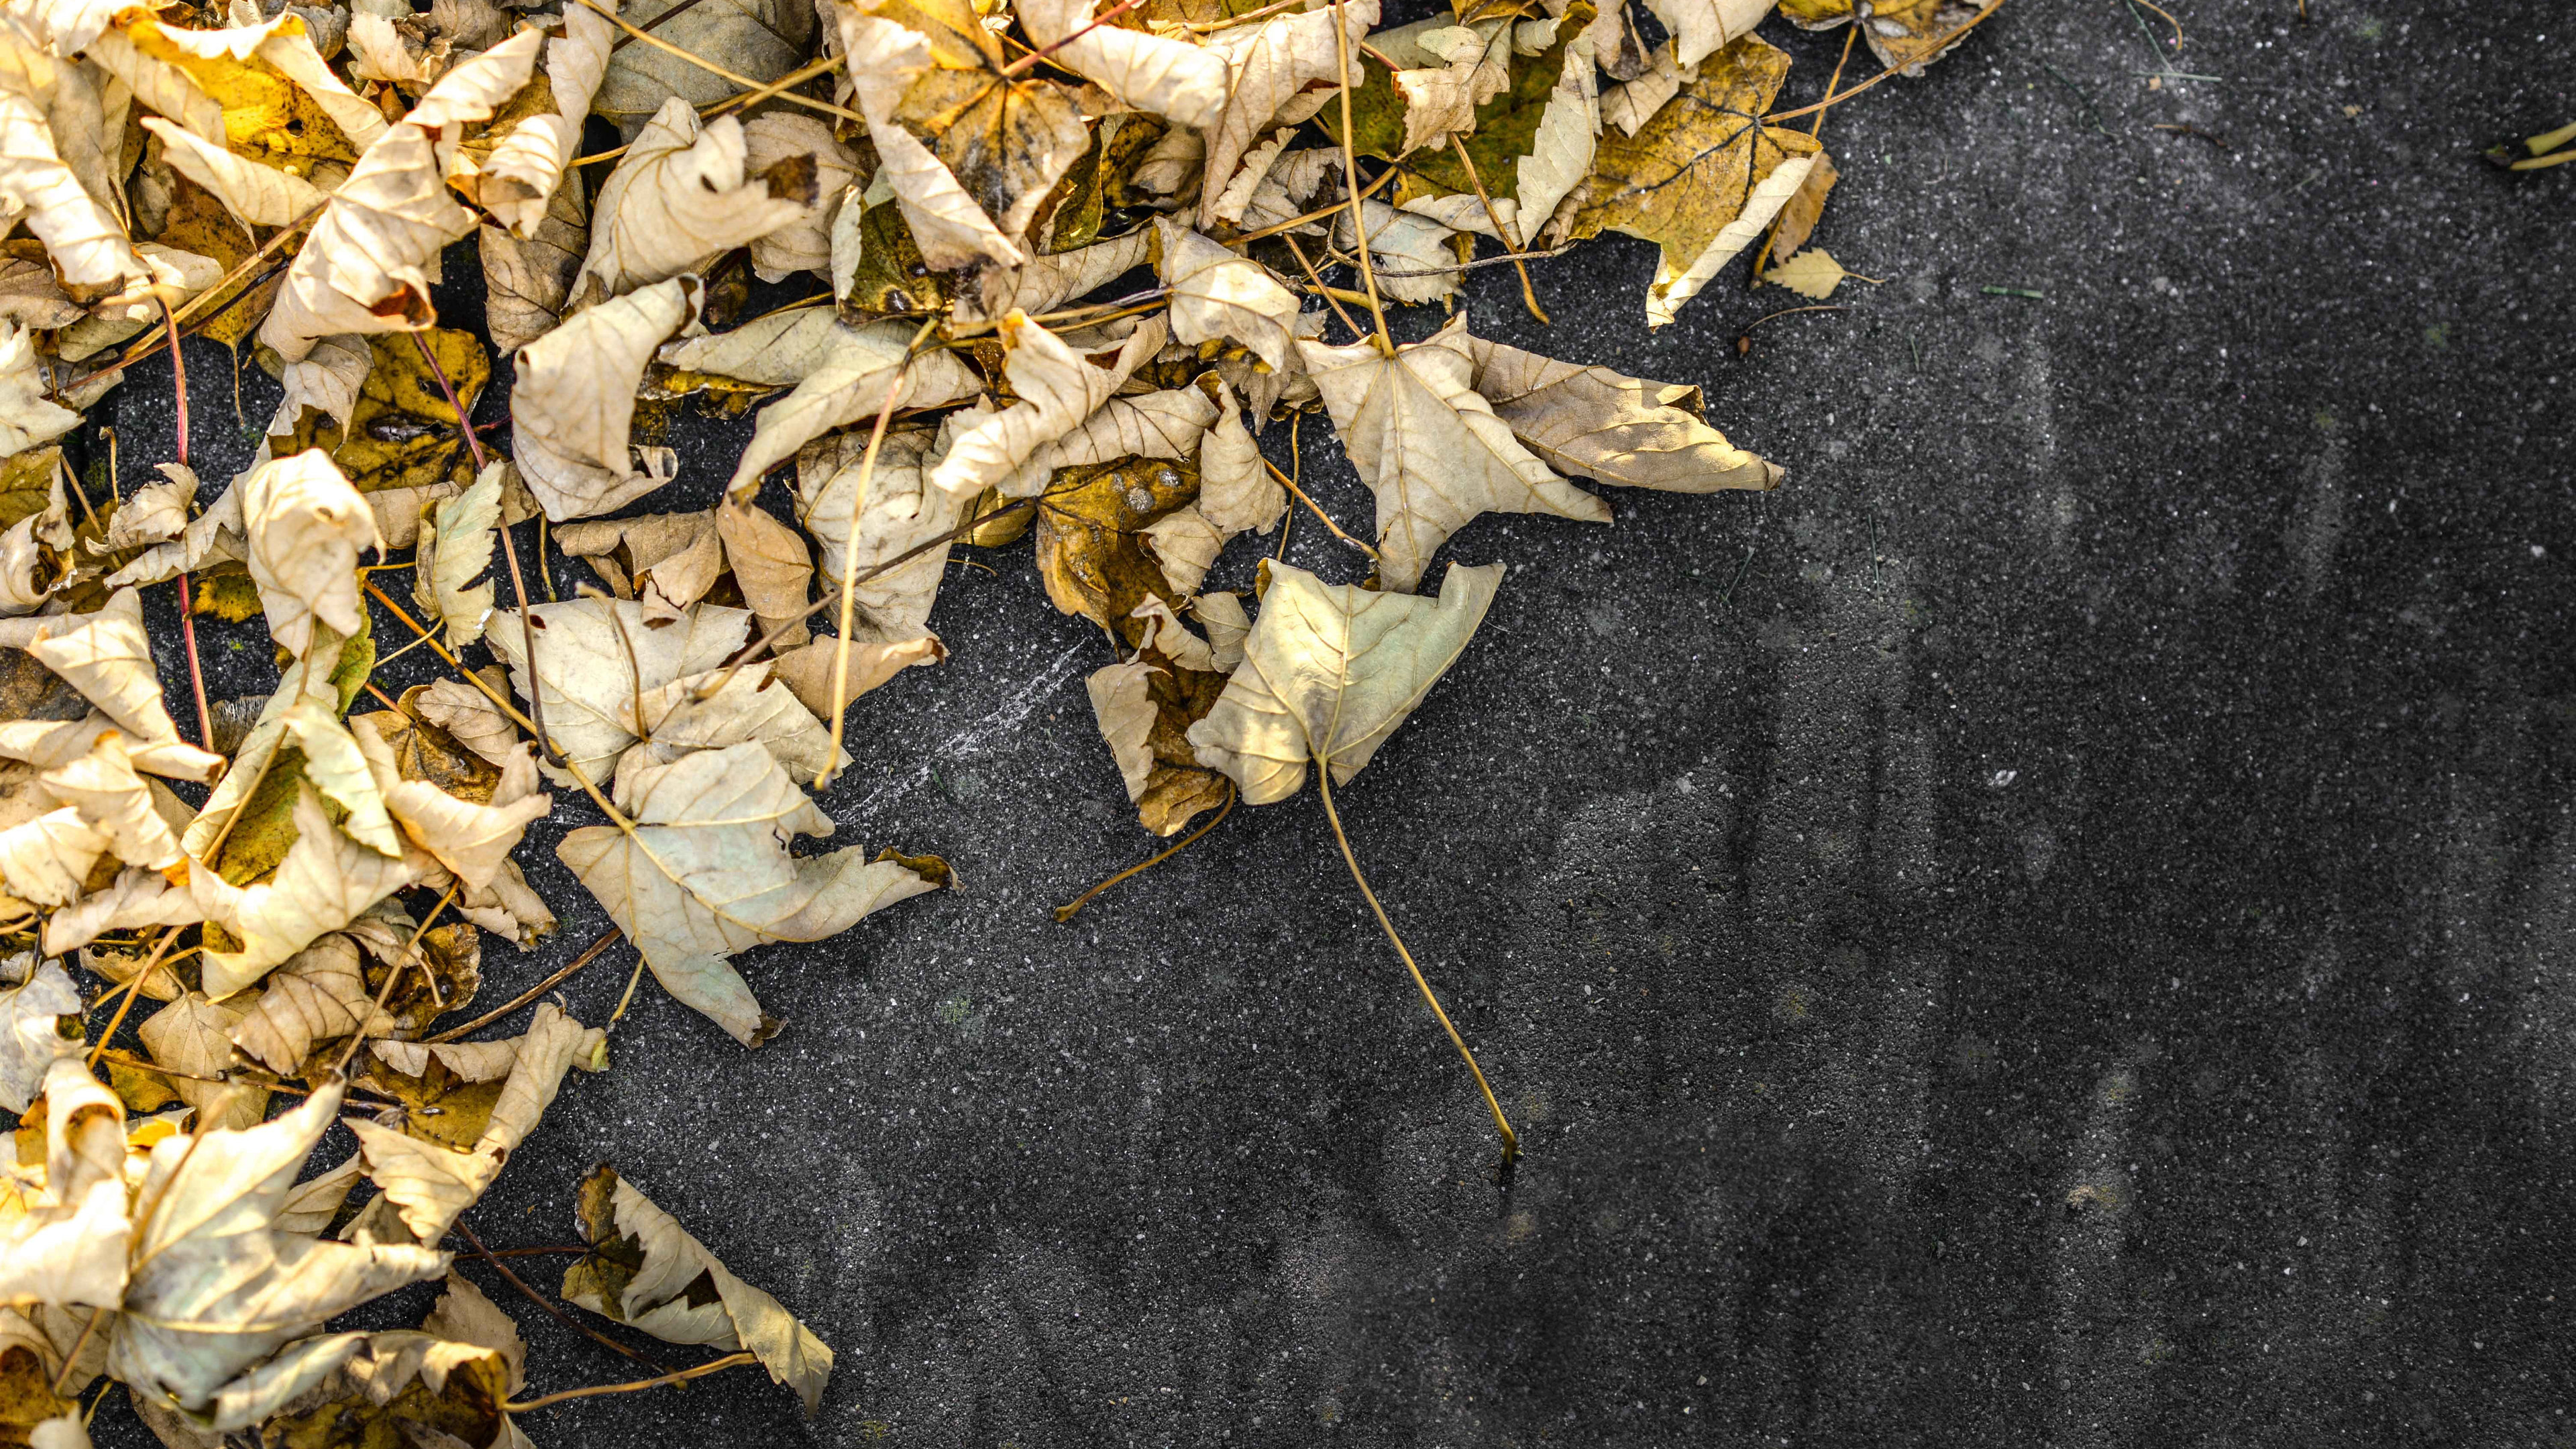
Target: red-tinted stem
(187, 605)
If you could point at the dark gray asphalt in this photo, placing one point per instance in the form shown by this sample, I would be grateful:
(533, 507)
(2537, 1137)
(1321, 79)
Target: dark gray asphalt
(2055, 928)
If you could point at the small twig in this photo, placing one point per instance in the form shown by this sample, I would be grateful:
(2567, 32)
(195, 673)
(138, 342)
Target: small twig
(1066, 913)
(711, 68)
(1351, 178)
(1511, 1140)
(1296, 473)
(588, 954)
(187, 605)
(1291, 485)
(509, 551)
(731, 1360)
(132, 986)
(2186, 128)
(1507, 259)
(1995, 291)
(626, 998)
(656, 23)
(1511, 243)
(1210, 27)
(1031, 60)
(2169, 20)
(410, 956)
(1327, 293)
(559, 1316)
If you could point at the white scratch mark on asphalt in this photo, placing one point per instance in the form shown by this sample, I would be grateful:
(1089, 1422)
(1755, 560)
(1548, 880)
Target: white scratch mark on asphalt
(983, 736)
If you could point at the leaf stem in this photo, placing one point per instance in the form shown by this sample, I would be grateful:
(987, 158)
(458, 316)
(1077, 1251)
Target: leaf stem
(1351, 174)
(833, 756)
(1503, 234)
(1327, 293)
(1318, 214)
(1065, 913)
(142, 348)
(187, 606)
(588, 954)
(1291, 485)
(1511, 1139)
(539, 1299)
(731, 1360)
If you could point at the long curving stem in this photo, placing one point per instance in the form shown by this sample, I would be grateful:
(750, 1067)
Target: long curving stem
(1511, 1139)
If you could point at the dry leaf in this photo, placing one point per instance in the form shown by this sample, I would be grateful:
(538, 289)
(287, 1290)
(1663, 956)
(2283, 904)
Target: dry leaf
(886, 58)
(430, 1184)
(369, 262)
(319, 994)
(704, 872)
(116, 800)
(680, 195)
(452, 553)
(306, 528)
(761, 39)
(897, 513)
(108, 658)
(526, 283)
(1905, 35)
(1058, 388)
(1811, 273)
(1217, 293)
(780, 137)
(769, 563)
(35, 1002)
(1431, 449)
(1171, 78)
(521, 175)
(1703, 177)
(1699, 27)
(1598, 424)
(597, 657)
(841, 375)
(1271, 62)
(574, 404)
(217, 1288)
(644, 1269)
(325, 881)
(1328, 673)
(193, 1037)
(472, 839)
(68, 1247)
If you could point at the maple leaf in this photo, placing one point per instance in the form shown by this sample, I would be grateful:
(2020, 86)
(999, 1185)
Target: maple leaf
(1703, 177)
(431, 1185)
(522, 172)
(758, 39)
(1599, 424)
(1329, 671)
(324, 882)
(703, 872)
(37, 999)
(193, 1037)
(110, 796)
(68, 1246)
(1218, 293)
(804, 244)
(597, 658)
(306, 527)
(527, 282)
(317, 995)
(1272, 62)
(1058, 389)
(1430, 448)
(452, 552)
(1169, 77)
(219, 1297)
(644, 1269)
(107, 656)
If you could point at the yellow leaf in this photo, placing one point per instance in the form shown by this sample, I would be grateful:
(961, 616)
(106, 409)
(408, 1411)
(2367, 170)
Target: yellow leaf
(1811, 273)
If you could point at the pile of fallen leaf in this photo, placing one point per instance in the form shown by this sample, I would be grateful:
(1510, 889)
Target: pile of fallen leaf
(1075, 262)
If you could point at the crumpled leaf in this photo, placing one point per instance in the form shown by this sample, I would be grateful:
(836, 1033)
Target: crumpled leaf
(644, 1269)
(519, 178)
(1595, 423)
(769, 563)
(1328, 673)
(669, 559)
(318, 995)
(430, 1184)
(527, 283)
(107, 656)
(137, 899)
(103, 785)
(69, 1246)
(573, 407)
(596, 656)
(1042, 282)
(406, 1388)
(1058, 389)
(761, 39)
(1703, 177)
(468, 716)
(449, 555)
(1219, 293)
(323, 884)
(367, 265)
(1173, 78)
(947, 220)
(85, 242)
(217, 1288)
(890, 613)
(193, 1037)
(306, 528)
(680, 195)
(745, 705)
(840, 374)
(1271, 62)
(472, 839)
(46, 860)
(463, 1314)
(27, 416)
(780, 137)
(1431, 449)
(705, 873)
(32, 1009)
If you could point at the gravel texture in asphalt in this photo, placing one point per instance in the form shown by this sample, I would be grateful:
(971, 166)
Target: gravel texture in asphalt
(2054, 927)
